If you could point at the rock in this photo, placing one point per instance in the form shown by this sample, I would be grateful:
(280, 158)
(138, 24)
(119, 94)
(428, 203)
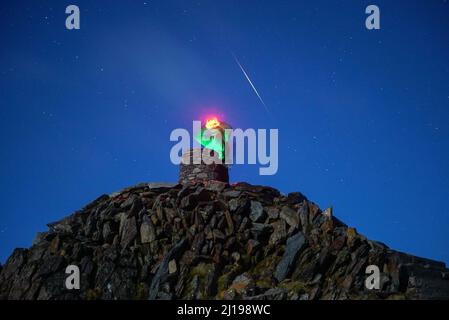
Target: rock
(271, 294)
(40, 236)
(217, 234)
(314, 211)
(147, 231)
(273, 213)
(129, 232)
(62, 226)
(233, 205)
(135, 207)
(295, 198)
(252, 246)
(125, 205)
(338, 243)
(261, 230)
(264, 193)
(14, 263)
(293, 248)
(108, 233)
(257, 213)
(54, 245)
(189, 202)
(279, 232)
(235, 256)
(172, 268)
(162, 271)
(216, 186)
(203, 194)
(243, 284)
(50, 266)
(351, 237)
(290, 216)
(161, 186)
(231, 193)
(303, 212)
(328, 213)
(239, 206)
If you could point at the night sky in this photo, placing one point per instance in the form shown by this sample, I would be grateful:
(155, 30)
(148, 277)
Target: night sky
(362, 115)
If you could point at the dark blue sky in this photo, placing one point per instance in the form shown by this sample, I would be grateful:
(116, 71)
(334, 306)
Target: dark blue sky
(362, 115)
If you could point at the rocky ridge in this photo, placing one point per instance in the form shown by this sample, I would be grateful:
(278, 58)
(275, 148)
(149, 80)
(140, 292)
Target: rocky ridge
(212, 241)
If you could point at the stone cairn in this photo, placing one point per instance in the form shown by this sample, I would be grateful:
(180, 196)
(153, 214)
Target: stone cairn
(196, 168)
(212, 241)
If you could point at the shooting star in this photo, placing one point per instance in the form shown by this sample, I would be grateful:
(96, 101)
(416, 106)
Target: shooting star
(250, 82)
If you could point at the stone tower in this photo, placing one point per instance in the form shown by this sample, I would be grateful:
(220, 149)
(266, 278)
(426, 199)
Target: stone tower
(191, 173)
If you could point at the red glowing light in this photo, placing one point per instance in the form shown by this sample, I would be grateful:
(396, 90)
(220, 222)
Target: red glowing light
(212, 123)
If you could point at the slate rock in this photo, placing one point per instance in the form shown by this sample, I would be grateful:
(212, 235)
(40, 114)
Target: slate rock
(129, 232)
(161, 186)
(290, 216)
(293, 248)
(257, 213)
(147, 231)
(261, 230)
(295, 198)
(216, 186)
(162, 271)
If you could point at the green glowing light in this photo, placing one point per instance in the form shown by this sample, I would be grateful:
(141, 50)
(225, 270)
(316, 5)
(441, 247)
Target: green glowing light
(216, 137)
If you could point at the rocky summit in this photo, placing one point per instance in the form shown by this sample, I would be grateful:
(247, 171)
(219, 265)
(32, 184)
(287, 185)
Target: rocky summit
(213, 241)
